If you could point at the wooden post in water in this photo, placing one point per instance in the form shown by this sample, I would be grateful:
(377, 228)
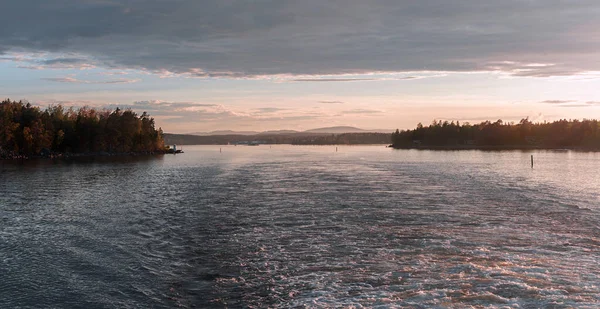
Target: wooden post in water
(220, 150)
(531, 161)
(335, 149)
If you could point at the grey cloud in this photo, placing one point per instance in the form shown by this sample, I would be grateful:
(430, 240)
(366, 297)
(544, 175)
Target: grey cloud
(361, 111)
(112, 73)
(575, 105)
(240, 39)
(32, 62)
(268, 110)
(331, 79)
(360, 79)
(44, 103)
(63, 61)
(525, 69)
(586, 104)
(115, 81)
(558, 101)
(166, 107)
(330, 102)
(62, 79)
(79, 81)
(291, 118)
(571, 103)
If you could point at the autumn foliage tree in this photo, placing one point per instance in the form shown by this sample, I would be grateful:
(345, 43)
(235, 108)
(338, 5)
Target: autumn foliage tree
(27, 130)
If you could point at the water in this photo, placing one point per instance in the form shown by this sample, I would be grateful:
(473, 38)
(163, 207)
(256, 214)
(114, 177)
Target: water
(303, 227)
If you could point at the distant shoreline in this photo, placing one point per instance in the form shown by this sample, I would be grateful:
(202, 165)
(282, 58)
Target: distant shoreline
(272, 139)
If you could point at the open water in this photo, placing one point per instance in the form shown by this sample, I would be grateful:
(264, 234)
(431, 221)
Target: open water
(303, 227)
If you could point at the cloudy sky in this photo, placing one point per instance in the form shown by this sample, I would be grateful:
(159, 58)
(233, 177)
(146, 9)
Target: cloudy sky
(200, 65)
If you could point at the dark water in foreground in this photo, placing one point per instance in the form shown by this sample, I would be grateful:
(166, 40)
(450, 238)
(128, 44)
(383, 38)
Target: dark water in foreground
(294, 227)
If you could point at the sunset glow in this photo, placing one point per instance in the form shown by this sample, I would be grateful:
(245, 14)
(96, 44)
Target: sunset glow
(264, 66)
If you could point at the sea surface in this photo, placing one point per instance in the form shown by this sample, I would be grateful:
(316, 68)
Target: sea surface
(303, 227)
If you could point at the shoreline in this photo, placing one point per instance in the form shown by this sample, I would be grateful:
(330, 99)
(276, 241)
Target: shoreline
(494, 147)
(69, 155)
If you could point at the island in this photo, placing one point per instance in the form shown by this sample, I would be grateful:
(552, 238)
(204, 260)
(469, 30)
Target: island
(28, 131)
(561, 134)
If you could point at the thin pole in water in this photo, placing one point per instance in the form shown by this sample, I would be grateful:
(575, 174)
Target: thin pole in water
(335, 149)
(531, 161)
(220, 150)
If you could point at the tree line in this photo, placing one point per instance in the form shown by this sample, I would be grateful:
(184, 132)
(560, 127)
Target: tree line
(27, 130)
(299, 138)
(343, 139)
(563, 133)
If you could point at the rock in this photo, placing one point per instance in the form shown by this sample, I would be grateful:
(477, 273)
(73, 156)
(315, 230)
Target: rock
(46, 153)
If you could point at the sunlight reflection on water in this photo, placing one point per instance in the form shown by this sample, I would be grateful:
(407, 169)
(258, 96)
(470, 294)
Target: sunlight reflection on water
(291, 226)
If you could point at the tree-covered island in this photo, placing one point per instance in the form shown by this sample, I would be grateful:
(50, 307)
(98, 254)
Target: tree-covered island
(561, 134)
(27, 131)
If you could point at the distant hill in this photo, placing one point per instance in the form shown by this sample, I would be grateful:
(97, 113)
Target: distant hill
(345, 129)
(328, 130)
(275, 132)
(225, 132)
(337, 130)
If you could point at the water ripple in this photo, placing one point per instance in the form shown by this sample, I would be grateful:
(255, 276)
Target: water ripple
(302, 227)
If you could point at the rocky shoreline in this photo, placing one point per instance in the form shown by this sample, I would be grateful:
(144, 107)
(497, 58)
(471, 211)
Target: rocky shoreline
(46, 154)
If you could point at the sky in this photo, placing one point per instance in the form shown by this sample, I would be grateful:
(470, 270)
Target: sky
(204, 65)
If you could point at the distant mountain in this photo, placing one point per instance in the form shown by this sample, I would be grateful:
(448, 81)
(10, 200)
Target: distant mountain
(336, 130)
(225, 132)
(328, 130)
(342, 129)
(278, 132)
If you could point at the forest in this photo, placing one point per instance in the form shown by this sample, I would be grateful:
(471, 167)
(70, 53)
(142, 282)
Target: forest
(561, 134)
(27, 130)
